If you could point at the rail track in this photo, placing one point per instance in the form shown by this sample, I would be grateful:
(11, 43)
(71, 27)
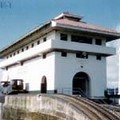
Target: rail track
(113, 108)
(91, 109)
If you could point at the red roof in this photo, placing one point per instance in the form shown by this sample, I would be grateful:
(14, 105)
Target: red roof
(83, 25)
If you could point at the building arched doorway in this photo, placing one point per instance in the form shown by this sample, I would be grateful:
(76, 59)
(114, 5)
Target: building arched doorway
(81, 84)
(44, 85)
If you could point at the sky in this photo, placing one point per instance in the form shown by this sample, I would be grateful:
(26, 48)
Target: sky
(19, 17)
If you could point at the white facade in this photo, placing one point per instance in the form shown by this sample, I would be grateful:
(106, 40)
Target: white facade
(60, 61)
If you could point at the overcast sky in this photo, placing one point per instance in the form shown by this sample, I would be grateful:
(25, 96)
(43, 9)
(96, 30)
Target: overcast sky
(113, 64)
(18, 17)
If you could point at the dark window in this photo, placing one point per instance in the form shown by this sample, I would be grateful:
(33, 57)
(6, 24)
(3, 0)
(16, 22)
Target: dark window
(88, 40)
(98, 57)
(44, 39)
(63, 54)
(27, 47)
(86, 56)
(81, 39)
(14, 53)
(98, 42)
(11, 55)
(21, 63)
(78, 55)
(38, 42)
(81, 55)
(63, 37)
(32, 45)
(18, 52)
(22, 49)
(76, 38)
(44, 56)
(6, 68)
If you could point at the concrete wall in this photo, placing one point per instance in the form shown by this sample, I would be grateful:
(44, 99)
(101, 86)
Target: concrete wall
(33, 70)
(67, 67)
(33, 107)
(60, 71)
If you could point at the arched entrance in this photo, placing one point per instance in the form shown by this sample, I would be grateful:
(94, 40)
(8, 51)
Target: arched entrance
(81, 84)
(44, 85)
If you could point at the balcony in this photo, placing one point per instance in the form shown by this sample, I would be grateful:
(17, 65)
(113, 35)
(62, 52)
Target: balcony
(90, 48)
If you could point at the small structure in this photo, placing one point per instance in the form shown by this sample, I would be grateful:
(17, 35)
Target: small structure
(64, 55)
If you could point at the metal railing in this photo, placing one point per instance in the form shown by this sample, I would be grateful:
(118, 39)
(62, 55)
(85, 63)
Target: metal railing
(74, 91)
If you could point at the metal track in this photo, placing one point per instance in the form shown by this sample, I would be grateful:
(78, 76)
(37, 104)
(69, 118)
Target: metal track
(91, 109)
(113, 108)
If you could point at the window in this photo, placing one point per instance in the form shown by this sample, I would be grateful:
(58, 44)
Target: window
(81, 39)
(88, 40)
(63, 54)
(21, 63)
(98, 42)
(14, 53)
(32, 45)
(6, 68)
(22, 49)
(44, 39)
(78, 55)
(63, 37)
(44, 56)
(75, 38)
(38, 42)
(18, 52)
(27, 47)
(81, 55)
(98, 57)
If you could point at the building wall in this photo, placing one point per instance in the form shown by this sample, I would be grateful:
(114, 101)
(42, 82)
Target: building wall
(31, 45)
(60, 70)
(32, 72)
(67, 67)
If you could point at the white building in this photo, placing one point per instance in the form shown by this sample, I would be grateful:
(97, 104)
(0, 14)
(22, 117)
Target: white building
(65, 54)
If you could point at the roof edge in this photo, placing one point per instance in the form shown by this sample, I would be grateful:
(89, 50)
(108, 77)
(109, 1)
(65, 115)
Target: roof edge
(24, 36)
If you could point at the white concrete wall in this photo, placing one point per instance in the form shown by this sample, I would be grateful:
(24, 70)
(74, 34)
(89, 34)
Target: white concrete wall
(57, 44)
(60, 72)
(32, 72)
(67, 67)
